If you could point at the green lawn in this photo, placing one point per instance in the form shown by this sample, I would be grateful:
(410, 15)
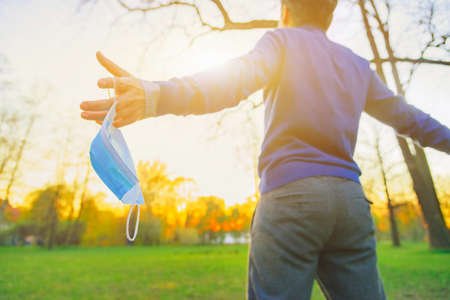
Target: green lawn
(198, 272)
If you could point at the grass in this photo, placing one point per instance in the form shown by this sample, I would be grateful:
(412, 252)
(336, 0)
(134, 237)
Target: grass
(196, 272)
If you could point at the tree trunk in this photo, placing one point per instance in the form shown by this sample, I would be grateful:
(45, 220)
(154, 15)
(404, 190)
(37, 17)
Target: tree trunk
(395, 236)
(438, 233)
(52, 217)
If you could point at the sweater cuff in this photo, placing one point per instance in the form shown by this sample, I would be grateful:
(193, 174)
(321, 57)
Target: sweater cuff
(151, 100)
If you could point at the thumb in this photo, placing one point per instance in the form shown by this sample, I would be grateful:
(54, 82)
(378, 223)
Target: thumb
(110, 66)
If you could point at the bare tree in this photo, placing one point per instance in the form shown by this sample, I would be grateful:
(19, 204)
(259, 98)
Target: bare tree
(9, 118)
(386, 173)
(414, 156)
(19, 155)
(8, 140)
(17, 147)
(81, 190)
(84, 190)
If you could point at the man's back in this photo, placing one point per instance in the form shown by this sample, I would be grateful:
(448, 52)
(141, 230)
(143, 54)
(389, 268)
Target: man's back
(313, 109)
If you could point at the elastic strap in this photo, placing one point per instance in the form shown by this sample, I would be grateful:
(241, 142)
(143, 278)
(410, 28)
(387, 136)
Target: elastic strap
(114, 90)
(136, 225)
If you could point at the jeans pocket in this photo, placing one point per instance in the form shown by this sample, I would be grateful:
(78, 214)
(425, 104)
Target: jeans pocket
(298, 202)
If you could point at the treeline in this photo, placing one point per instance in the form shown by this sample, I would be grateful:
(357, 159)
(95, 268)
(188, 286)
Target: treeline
(71, 214)
(55, 215)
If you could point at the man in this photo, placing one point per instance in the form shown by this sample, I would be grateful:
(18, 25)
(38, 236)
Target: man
(313, 220)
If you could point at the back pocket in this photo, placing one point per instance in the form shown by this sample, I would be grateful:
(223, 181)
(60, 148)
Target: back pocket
(299, 201)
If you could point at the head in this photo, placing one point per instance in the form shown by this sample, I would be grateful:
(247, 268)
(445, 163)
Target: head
(317, 13)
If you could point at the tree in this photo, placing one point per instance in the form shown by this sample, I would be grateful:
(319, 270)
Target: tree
(9, 117)
(16, 143)
(74, 217)
(48, 208)
(414, 156)
(239, 216)
(376, 161)
(163, 200)
(207, 215)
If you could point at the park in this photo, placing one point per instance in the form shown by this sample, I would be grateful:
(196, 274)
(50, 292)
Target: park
(123, 114)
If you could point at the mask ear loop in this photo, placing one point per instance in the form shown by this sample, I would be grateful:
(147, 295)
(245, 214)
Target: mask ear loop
(109, 126)
(114, 89)
(130, 211)
(136, 226)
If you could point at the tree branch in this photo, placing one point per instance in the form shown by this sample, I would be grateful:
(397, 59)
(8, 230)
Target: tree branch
(228, 24)
(420, 60)
(146, 9)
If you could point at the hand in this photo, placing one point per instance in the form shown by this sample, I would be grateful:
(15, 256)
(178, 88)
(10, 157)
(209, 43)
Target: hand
(129, 93)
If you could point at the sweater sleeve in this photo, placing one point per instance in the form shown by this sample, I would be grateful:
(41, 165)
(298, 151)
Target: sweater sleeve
(406, 119)
(222, 87)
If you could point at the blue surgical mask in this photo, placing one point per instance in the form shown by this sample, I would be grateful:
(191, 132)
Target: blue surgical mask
(111, 160)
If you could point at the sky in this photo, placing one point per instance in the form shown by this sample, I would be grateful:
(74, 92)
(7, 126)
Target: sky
(53, 43)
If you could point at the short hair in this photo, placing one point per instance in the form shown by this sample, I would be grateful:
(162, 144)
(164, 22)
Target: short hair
(315, 12)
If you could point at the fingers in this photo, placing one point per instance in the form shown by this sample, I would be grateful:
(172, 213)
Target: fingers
(96, 110)
(119, 83)
(106, 83)
(110, 66)
(126, 117)
(98, 105)
(94, 115)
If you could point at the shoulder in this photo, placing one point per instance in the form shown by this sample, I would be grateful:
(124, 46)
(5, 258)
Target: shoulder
(356, 57)
(359, 59)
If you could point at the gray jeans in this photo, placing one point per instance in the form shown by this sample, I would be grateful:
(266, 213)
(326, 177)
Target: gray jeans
(318, 227)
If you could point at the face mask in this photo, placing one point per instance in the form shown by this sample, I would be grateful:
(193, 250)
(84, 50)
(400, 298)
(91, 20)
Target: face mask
(112, 162)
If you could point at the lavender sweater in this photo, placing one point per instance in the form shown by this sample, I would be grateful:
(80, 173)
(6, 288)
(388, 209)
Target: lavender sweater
(314, 93)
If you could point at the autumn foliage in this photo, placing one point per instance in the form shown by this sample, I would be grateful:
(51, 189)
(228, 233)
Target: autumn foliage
(62, 214)
(57, 215)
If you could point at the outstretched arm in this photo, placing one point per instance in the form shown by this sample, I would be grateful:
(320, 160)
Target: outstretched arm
(405, 118)
(201, 93)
